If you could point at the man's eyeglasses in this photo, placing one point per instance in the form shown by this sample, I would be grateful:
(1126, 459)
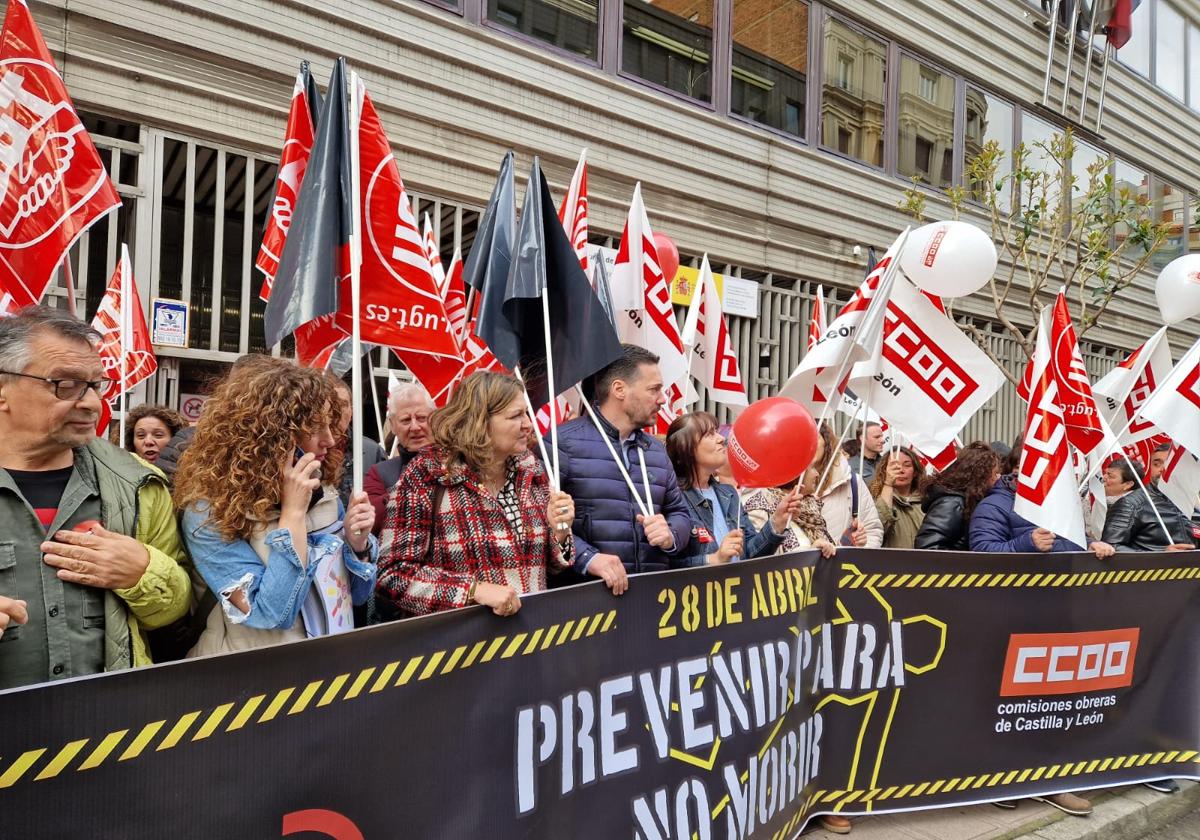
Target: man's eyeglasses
(67, 390)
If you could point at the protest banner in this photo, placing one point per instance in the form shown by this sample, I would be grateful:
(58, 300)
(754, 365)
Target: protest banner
(731, 701)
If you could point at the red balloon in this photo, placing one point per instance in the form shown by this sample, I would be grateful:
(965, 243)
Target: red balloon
(668, 256)
(771, 443)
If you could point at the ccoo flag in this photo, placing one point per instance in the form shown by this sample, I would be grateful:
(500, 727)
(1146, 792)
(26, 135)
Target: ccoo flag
(53, 186)
(581, 340)
(316, 253)
(574, 211)
(1175, 406)
(705, 333)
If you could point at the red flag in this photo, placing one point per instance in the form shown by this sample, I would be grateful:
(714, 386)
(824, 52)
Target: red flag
(433, 253)
(439, 374)
(818, 322)
(455, 298)
(293, 160)
(1120, 23)
(125, 349)
(561, 413)
(574, 211)
(1046, 489)
(401, 304)
(316, 340)
(53, 185)
(1084, 428)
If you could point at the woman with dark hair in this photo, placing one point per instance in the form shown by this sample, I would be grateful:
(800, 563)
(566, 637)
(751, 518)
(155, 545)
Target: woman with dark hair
(261, 518)
(148, 428)
(1131, 523)
(721, 530)
(949, 498)
(897, 498)
(472, 519)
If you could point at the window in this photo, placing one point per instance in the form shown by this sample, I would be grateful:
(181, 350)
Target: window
(1082, 160)
(926, 123)
(988, 119)
(1136, 53)
(1038, 137)
(770, 60)
(1132, 182)
(570, 26)
(1170, 208)
(1194, 66)
(1168, 51)
(852, 109)
(670, 44)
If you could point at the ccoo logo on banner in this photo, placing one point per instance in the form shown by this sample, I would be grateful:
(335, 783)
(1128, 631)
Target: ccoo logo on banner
(723, 702)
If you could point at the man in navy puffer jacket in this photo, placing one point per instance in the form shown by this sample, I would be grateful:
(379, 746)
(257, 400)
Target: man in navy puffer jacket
(612, 537)
(995, 527)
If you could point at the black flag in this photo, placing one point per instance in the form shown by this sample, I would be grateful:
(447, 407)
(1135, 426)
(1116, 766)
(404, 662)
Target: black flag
(316, 253)
(487, 266)
(582, 339)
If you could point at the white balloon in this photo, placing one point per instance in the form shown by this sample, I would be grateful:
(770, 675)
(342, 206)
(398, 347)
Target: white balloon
(949, 259)
(1178, 289)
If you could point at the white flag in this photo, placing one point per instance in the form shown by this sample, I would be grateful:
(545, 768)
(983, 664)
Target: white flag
(852, 337)
(714, 363)
(1174, 407)
(1121, 392)
(640, 289)
(1046, 490)
(1180, 480)
(927, 378)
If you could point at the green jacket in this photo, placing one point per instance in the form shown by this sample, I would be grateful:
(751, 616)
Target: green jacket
(136, 501)
(901, 521)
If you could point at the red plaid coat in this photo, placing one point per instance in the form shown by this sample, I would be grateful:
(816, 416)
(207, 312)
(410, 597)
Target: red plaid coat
(427, 562)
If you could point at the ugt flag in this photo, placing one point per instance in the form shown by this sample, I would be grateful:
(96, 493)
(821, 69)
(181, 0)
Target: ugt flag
(53, 186)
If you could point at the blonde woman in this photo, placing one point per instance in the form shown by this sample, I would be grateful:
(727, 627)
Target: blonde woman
(261, 517)
(472, 519)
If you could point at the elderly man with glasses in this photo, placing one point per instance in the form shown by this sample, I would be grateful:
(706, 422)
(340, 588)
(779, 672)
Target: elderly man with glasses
(90, 558)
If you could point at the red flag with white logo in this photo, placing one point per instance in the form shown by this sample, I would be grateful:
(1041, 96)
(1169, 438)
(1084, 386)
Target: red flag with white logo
(574, 211)
(1047, 494)
(562, 412)
(1174, 407)
(1126, 387)
(125, 349)
(53, 185)
(433, 253)
(1085, 429)
(649, 320)
(713, 362)
(401, 303)
(455, 297)
(817, 324)
(293, 160)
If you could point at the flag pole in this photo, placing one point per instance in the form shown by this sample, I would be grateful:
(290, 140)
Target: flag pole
(1087, 70)
(356, 384)
(126, 328)
(1062, 108)
(1050, 51)
(641, 503)
(375, 398)
(69, 284)
(862, 437)
(1108, 52)
(551, 393)
(533, 419)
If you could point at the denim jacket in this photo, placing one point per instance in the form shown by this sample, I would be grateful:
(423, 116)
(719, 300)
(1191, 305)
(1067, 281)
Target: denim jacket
(756, 543)
(274, 585)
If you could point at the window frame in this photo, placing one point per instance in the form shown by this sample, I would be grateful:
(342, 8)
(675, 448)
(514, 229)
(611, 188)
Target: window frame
(717, 48)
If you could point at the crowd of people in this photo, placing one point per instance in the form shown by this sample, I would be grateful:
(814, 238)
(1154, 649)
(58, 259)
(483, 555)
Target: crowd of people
(244, 530)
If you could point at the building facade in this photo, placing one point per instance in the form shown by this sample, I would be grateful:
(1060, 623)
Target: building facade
(778, 136)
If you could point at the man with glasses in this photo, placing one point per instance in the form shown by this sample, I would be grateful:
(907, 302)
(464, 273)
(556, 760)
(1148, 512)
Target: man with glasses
(90, 557)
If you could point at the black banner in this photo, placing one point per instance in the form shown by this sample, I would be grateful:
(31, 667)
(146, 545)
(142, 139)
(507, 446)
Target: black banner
(723, 702)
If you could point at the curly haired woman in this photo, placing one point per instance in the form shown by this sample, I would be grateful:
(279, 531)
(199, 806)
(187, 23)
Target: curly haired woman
(472, 519)
(148, 429)
(261, 516)
(950, 497)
